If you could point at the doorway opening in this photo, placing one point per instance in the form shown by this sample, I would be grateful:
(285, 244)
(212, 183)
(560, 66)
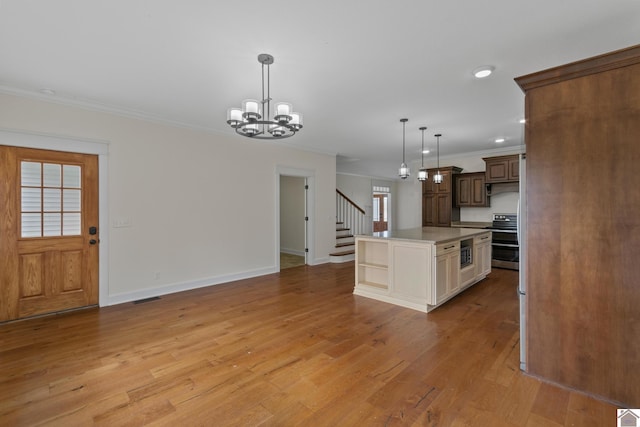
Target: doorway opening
(293, 220)
(381, 208)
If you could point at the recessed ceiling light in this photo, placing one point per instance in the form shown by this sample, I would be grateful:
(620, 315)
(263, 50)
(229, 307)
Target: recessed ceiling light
(522, 120)
(499, 140)
(484, 71)
(425, 152)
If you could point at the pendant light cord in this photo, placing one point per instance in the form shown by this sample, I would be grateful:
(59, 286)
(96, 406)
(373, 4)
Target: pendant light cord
(438, 148)
(423, 147)
(403, 127)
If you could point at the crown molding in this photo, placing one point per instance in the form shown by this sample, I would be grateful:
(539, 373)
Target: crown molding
(138, 115)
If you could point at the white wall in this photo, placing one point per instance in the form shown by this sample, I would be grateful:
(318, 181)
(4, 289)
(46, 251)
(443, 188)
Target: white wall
(292, 202)
(202, 206)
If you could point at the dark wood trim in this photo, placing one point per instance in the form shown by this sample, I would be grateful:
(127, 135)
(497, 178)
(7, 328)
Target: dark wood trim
(350, 201)
(597, 64)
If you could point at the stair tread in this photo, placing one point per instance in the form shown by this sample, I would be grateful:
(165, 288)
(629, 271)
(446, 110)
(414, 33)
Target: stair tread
(342, 229)
(345, 236)
(339, 245)
(342, 253)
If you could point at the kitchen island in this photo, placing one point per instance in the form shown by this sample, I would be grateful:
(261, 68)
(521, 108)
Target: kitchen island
(421, 268)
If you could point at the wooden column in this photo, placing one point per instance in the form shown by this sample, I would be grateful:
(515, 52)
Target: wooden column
(583, 232)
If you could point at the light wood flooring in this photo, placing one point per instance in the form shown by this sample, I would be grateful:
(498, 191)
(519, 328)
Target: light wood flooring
(295, 348)
(290, 260)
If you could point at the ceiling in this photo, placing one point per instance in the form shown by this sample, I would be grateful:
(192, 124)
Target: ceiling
(353, 68)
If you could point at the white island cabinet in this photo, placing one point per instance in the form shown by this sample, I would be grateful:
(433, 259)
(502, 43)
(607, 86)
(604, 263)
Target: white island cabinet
(421, 268)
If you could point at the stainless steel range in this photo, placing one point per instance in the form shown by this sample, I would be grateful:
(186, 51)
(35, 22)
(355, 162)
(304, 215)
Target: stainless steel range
(505, 251)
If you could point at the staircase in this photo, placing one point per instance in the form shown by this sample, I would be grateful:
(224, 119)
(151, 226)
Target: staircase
(345, 245)
(350, 221)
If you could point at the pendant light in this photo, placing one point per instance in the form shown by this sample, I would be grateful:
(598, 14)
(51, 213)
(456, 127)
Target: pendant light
(404, 171)
(422, 173)
(437, 178)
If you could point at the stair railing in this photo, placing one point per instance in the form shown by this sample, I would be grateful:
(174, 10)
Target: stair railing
(352, 215)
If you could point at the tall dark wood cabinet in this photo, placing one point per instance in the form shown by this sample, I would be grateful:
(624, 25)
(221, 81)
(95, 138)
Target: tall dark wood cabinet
(582, 135)
(438, 209)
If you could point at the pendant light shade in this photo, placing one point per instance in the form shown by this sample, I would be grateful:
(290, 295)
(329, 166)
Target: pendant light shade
(437, 178)
(404, 171)
(422, 173)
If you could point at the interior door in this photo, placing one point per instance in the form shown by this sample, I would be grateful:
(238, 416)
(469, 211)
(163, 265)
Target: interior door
(48, 231)
(380, 222)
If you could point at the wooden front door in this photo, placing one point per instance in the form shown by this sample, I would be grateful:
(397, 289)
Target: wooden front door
(48, 231)
(380, 212)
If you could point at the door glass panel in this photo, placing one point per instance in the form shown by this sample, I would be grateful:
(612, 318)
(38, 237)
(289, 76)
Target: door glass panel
(71, 176)
(51, 175)
(71, 200)
(384, 208)
(31, 200)
(376, 209)
(30, 174)
(31, 225)
(71, 224)
(52, 200)
(52, 224)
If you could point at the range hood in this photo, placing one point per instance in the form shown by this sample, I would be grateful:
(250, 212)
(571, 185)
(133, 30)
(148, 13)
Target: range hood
(502, 187)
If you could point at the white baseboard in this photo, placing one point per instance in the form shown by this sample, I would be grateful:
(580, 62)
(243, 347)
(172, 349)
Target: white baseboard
(183, 286)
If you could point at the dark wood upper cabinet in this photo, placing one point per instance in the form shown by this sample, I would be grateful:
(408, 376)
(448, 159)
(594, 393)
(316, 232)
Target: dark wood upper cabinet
(502, 169)
(471, 191)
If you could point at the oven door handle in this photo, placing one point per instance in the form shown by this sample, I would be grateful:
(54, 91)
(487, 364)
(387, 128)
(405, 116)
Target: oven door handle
(506, 245)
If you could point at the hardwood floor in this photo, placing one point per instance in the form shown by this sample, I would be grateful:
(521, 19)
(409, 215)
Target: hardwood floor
(289, 260)
(292, 348)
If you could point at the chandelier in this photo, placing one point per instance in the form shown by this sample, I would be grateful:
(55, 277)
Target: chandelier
(255, 118)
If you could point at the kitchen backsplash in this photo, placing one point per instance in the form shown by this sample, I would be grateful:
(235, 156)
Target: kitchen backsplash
(500, 203)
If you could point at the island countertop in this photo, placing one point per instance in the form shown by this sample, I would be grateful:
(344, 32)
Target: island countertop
(433, 235)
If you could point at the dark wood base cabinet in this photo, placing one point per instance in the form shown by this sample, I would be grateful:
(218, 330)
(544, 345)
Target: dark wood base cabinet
(582, 137)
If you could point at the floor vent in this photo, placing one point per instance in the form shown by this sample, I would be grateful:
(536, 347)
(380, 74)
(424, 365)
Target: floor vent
(140, 301)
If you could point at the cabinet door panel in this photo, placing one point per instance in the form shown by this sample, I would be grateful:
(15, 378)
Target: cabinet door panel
(514, 169)
(497, 171)
(442, 278)
(411, 269)
(443, 202)
(478, 191)
(429, 210)
(463, 191)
